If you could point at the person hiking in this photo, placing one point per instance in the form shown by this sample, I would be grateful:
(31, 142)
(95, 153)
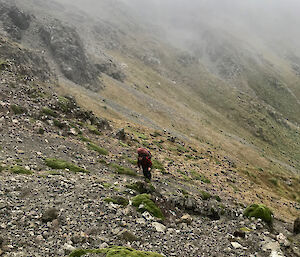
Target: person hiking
(144, 161)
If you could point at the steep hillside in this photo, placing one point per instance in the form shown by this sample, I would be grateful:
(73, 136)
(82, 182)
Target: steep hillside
(221, 118)
(69, 180)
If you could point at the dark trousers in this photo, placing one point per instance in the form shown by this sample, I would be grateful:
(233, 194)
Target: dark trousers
(146, 172)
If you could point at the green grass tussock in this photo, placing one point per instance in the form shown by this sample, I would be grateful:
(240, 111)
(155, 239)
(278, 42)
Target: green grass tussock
(18, 109)
(49, 112)
(197, 176)
(115, 251)
(61, 165)
(117, 200)
(259, 211)
(148, 205)
(157, 165)
(92, 129)
(20, 170)
(205, 195)
(98, 149)
(123, 170)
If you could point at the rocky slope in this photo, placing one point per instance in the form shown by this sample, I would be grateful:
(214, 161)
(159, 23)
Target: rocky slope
(61, 167)
(68, 175)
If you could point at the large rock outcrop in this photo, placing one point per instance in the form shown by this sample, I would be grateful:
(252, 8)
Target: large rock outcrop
(68, 52)
(15, 21)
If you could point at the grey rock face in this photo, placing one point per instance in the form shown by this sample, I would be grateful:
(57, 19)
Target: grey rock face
(67, 50)
(14, 20)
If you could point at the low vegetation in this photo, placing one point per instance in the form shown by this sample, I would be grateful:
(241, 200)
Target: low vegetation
(197, 176)
(20, 170)
(117, 200)
(18, 109)
(97, 148)
(123, 170)
(116, 251)
(141, 188)
(58, 124)
(144, 203)
(205, 195)
(157, 165)
(61, 165)
(92, 129)
(49, 112)
(259, 211)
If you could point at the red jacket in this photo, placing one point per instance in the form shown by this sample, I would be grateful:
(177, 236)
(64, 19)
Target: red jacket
(144, 161)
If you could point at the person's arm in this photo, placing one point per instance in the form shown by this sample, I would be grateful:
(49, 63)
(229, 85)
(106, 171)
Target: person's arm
(138, 162)
(149, 162)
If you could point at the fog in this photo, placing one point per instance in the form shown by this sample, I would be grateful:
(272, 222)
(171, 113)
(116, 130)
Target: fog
(271, 23)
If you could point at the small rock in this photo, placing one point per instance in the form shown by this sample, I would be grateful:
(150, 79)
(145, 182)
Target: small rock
(147, 216)
(239, 233)
(39, 238)
(69, 248)
(73, 132)
(159, 227)
(236, 245)
(185, 219)
(50, 215)
(128, 236)
(282, 240)
(140, 221)
(103, 245)
(121, 135)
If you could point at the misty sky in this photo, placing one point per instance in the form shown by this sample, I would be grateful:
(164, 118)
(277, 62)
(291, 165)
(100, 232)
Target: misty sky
(271, 22)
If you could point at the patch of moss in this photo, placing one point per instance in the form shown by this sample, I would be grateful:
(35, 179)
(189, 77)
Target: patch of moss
(20, 170)
(186, 178)
(141, 136)
(145, 144)
(132, 161)
(148, 205)
(84, 139)
(184, 192)
(141, 187)
(181, 149)
(197, 176)
(124, 170)
(157, 165)
(245, 229)
(49, 112)
(63, 104)
(158, 144)
(205, 195)
(61, 165)
(41, 131)
(107, 185)
(156, 134)
(274, 181)
(102, 161)
(3, 64)
(115, 251)
(18, 109)
(92, 129)
(117, 200)
(54, 173)
(218, 198)
(259, 211)
(58, 124)
(123, 144)
(98, 149)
